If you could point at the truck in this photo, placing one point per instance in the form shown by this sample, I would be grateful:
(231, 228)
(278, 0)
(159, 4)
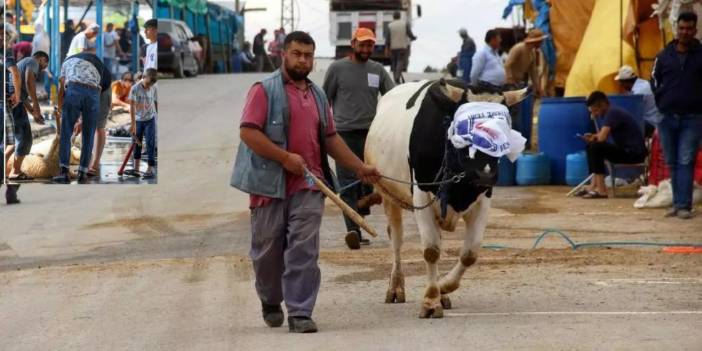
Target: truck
(345, 16)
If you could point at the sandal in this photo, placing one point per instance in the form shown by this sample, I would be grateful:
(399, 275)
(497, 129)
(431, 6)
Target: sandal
(22, 177)
(594, 195)
(148, 175)
(132, 173)
(582, 192)
(93, 173)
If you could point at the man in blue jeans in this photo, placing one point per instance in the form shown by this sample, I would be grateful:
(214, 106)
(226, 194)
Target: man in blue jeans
(82, 78)
(29, 69)
(677, 86)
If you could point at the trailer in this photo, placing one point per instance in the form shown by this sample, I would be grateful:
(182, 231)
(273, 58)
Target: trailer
(345, 16)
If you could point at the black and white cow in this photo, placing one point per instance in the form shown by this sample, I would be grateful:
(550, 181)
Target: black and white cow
(408, 141)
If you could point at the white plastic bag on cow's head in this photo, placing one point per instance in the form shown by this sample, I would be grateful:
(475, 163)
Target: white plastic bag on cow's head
(485, 126)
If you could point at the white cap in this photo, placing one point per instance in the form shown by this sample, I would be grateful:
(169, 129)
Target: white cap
(93, 26)
(625, 73)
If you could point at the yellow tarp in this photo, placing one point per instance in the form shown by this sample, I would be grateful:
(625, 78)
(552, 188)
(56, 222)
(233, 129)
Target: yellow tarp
(598, 58)
(569, 19)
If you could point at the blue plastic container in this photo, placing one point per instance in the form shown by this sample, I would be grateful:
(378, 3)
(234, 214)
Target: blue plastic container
(526, 114)
(576, 168)
(505, 172)
(560, 119)
(533, 169)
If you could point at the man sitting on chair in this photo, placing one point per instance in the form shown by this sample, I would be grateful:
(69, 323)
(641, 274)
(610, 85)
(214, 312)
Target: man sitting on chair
(628, 146)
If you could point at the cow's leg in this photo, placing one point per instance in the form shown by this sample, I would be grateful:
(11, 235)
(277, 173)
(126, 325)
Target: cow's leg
(429, 232)
(476, 220)
(396, 290)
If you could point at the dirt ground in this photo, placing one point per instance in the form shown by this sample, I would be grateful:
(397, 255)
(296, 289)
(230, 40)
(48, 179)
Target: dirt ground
(167, 268)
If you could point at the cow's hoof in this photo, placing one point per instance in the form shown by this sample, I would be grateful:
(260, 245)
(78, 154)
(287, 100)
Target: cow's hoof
(435, 312)
(395, 296)
(445, 302)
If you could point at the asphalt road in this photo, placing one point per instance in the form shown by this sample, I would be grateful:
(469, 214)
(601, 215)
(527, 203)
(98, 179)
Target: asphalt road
(164, 267)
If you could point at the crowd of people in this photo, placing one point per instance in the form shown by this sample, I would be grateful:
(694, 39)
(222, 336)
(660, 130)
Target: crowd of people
(334, 120)
(671, 106)
(86, 96)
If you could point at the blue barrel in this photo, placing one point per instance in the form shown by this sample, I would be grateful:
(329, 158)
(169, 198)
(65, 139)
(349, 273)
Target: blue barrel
(505, 172)
(576, 168)
(526, 114)
(631, 103)
(533, 169)
(560, 119)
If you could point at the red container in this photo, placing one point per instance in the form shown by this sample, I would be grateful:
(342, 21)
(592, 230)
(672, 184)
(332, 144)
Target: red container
(658, 171)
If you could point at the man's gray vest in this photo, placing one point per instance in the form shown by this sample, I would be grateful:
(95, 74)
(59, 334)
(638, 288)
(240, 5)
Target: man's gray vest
(256, 175)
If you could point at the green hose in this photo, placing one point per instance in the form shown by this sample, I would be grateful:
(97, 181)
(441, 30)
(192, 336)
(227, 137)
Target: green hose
(576, 246)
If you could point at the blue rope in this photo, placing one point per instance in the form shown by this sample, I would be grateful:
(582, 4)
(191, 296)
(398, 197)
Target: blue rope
(576, 246)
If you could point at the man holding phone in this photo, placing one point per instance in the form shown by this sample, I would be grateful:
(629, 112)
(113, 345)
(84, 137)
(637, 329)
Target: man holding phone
(628, 146)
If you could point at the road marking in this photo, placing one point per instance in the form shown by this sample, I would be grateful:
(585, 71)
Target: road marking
(649, 281)
(572, 313)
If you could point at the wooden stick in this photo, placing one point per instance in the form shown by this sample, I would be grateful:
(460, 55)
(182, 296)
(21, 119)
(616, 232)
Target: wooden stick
(579, 185)
(358, 219)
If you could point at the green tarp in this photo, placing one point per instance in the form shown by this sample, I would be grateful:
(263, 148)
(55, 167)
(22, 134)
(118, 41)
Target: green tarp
(195, 6)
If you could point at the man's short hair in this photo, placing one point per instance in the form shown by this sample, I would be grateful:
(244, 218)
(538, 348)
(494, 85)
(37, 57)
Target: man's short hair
(152, 23)
(491, 34)
(151, 73)
(125, 74)
(300, 37)
(596, 97)
(396, 15)
(9, 15)
(688, 17)
(41, 54)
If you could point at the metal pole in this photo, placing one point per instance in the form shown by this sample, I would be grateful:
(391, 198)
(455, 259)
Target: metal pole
(55, 64)
(18, 19)
(98, 16)
(65, 11)
(621, 33)
(135, 37)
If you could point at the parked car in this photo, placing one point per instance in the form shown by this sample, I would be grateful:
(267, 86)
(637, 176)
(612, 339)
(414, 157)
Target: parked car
(178, 50)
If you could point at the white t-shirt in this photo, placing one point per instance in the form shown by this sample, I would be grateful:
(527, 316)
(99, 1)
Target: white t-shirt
(78, 44)
(151, 60)
(110, 38)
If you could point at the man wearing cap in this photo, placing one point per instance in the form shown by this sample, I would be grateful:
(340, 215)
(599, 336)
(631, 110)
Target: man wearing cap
(631, 84)
(522, 62)
(465, 57)
(398, 39)
(82, 41)
(352, 85)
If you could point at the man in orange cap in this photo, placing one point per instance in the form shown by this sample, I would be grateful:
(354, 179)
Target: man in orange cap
(352, 85)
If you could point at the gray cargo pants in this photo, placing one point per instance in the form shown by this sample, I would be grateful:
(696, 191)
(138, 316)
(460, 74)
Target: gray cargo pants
(285, 250)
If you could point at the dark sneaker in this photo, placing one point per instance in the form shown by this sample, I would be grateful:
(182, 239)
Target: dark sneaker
(11, 194)
(272, 315)
(82, 177)
(671, 212)
(63, 177)
(365, 241)
(353, 240)
(301, 325)
(684, 214)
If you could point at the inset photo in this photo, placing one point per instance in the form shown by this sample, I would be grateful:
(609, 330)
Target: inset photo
(81, 100)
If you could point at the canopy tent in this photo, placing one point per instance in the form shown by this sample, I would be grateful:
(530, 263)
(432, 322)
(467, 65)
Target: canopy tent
(601, 52)
(569, 20)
